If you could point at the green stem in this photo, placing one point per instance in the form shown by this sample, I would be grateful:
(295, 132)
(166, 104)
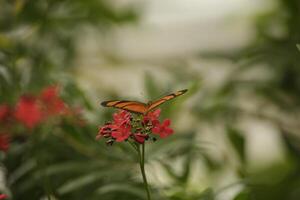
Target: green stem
(142, 166)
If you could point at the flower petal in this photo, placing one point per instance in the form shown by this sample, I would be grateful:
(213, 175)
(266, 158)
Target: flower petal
(140, 138)
(166, 122)
(122, 133)
(28, 111)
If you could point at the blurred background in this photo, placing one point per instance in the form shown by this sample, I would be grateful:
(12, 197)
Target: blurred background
(236, 131)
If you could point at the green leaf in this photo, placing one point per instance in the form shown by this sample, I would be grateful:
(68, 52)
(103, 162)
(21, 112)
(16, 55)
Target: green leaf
(21, 171)
(5, 74)
(237, 141)
(243, 195)
(122, 188)
(207, 194)
(186, 168)
(81, 182)
(170, 171)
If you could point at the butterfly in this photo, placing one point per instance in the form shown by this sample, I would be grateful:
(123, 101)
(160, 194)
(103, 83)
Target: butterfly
(139, 107)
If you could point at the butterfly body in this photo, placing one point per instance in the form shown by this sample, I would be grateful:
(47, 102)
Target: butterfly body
(139, 107)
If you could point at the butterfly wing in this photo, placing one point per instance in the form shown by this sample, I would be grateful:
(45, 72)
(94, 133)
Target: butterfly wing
(162, 100)
(131, 106)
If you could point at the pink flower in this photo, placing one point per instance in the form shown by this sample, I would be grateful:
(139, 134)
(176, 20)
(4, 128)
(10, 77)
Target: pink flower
(123, 124)
(140, 138)
(154, 114)
(52, 102)
(162, 129)
(106, 130)
(4, 112)
(122, 133)
(28, 111)
(151, 116)
(4, 142)
(122, 117)
(3, 196)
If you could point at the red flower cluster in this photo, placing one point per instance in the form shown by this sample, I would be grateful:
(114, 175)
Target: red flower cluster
(162, 129)
(31, 110)
(125, 126)
(4, 142)
(52, 102)
(3, 196)
(119, 129)
(28, 111)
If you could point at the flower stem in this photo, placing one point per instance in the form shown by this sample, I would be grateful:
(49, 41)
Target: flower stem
(142, 166)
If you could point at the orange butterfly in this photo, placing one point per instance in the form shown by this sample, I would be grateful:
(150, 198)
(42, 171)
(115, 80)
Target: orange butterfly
(141, 108)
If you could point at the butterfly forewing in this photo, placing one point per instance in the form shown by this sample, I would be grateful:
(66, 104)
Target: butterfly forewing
(132, 106)
(162, 100)
(109, 103)
(141, 108)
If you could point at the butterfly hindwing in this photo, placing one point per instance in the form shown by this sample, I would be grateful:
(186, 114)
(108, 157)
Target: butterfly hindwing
(136, 107)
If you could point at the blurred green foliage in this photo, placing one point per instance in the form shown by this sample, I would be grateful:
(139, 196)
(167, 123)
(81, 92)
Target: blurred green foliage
(38, 38)
(276, 86)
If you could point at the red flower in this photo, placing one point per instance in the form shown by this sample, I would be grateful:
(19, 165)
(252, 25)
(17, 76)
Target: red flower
(162, 129)
(106, 130)
(53, 103)
(122, 133)
(3, 196)
(28, 111)
(4, 112)
(151, 116)
(140, 138)
(4, 142)
(122, 118)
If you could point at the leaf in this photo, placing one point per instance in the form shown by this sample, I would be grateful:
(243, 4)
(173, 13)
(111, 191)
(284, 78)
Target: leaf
(211, 163)
(237, 141)
(117, 188)
(292, 143)
(243, 195)
(68, 167)
(5, 74)
(170, 171)
(186, 168)
(80, 182)
(24, 169)
(207, 194)
(182, 142)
